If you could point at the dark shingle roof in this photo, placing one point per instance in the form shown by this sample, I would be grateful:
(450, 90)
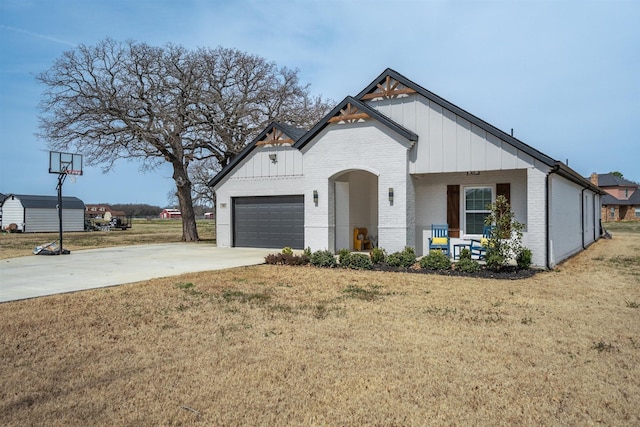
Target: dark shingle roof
(557, 166)
(48, 202)
(633, 200)
(611, 180)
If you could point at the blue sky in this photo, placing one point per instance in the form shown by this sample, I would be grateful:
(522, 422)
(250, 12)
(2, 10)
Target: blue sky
(565, 75)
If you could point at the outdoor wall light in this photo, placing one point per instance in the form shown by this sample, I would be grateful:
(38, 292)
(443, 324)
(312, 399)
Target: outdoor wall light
(315, 197)
(391, 195)
(273, 157)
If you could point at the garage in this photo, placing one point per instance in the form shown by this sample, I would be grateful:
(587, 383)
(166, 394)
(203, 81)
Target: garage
(268, 222)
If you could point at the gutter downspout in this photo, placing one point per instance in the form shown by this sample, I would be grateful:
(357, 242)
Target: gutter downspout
(582, 223)
(547, 213)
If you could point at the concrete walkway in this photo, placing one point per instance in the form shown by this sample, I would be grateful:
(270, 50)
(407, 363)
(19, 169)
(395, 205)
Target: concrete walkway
(39, 275)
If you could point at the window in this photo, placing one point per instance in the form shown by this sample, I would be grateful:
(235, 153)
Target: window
(637, 212)
(612, 213)
(476, 208)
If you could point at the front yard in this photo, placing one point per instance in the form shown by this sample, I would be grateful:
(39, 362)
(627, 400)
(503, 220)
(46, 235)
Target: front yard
(275, 345)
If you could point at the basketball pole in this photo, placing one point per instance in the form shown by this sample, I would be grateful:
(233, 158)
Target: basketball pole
(61, 178)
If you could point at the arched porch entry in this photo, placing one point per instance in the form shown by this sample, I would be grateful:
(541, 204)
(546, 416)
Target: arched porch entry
(355, 205)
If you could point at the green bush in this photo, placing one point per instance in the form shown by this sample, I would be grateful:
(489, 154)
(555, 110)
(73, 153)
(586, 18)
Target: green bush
(323, 259)
(307, 252)
(405, 258)
(467, 265)
(343, 256)
(465, 253)
(358, 261)
(435, 260)
(524, 259)
(495, 261)
(378, 255)
(287, 251)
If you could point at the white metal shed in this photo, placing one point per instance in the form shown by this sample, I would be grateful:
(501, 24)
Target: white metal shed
(34, 214)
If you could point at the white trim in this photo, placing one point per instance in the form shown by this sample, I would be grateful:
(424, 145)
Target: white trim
(463, 210)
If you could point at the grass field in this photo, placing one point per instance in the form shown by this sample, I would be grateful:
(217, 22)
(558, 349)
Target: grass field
(142, 232)
(272, 345)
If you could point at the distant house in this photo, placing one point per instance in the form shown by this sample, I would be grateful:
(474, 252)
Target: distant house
(35, 214)
(622, 201)
(170, 214)
(103, 212)
(209, 215)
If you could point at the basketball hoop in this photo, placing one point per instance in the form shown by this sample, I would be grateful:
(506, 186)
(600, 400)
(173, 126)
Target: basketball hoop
(63, 165)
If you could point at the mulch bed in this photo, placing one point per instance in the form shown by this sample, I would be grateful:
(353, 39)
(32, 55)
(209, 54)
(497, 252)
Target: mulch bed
(506, 273)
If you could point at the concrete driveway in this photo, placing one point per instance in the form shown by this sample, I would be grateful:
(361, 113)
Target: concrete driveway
(39, 275)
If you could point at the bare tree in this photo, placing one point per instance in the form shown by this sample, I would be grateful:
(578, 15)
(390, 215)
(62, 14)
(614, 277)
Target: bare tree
(167, 104)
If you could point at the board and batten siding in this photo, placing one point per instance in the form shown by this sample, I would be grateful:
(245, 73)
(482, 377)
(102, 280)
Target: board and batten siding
(257, 175)
(259, 165)
(448, 142)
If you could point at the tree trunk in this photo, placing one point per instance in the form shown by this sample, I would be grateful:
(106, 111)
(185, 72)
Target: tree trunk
(183, 186)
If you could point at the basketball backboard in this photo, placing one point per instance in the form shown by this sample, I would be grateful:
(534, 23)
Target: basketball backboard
(65, 163)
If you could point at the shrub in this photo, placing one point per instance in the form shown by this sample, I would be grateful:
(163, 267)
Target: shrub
(307, 252)
(435, 260)
(405, 258)
(343, 256)
(287, 251)
(323, 258)
(495, 261)
(358, 261)
(524, 259)
(467, 265)
(378, 255)
(465, 253)
(505, 241)
(286, 259)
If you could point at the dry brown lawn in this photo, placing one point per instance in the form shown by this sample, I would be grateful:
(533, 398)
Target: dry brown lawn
(272, 345)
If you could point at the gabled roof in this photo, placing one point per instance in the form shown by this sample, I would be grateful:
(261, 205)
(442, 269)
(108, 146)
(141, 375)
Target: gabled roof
(271, 131)
(384, 86)
(633, 200)
(350, 109)
(410, 86)
(47, 202)
(611, 180)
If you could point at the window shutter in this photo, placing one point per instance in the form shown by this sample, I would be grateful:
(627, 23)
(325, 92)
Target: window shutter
(453, 210)
(504, 190)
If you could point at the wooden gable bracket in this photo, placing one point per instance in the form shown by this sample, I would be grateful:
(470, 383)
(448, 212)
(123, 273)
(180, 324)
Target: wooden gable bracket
(349, 114)
(389, 89)
(275, 137)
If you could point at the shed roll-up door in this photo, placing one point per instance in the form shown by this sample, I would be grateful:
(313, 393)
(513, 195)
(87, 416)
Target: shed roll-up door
(268, 222)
